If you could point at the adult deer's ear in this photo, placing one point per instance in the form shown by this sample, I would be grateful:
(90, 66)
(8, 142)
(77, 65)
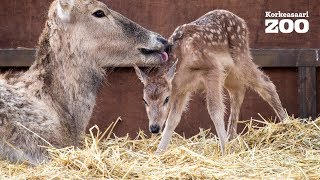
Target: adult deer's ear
(141, 75)
(171, 72)
(64, 8)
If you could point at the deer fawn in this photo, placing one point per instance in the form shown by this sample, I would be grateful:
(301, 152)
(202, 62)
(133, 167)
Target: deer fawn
(213, 54)
(54, 99)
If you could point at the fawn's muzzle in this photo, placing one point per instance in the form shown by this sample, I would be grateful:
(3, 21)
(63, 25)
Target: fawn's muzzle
(154, 128)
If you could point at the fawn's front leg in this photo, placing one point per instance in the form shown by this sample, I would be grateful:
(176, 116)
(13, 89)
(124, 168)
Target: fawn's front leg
(237, 91)
(236, 99)
(216, 107)
(177, 107)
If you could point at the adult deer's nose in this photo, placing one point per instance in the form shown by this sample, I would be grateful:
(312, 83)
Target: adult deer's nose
(165, 43)
(154, 128)
(162, 40)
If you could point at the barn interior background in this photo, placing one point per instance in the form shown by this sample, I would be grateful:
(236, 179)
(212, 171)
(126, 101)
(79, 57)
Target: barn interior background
(289, 59)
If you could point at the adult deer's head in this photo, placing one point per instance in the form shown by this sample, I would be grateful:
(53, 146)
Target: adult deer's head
(104, 36)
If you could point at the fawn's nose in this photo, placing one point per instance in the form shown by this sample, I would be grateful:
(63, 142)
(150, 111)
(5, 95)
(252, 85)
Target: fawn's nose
(154, 128)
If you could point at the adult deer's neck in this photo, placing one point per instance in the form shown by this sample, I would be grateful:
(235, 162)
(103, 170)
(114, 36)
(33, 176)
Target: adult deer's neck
(68, 80)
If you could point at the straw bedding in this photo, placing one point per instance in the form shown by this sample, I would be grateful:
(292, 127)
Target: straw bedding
(287, 150)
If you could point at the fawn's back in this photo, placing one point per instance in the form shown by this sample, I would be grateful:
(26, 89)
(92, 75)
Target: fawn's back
(216, 40)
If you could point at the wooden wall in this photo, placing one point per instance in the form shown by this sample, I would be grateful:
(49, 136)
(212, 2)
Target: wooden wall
(21, 23)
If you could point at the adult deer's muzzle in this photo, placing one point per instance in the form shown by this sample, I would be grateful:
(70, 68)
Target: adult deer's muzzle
(159, 46)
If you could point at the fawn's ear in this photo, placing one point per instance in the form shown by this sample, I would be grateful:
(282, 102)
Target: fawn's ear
(64, 8)
(141, 75)
(171, 72)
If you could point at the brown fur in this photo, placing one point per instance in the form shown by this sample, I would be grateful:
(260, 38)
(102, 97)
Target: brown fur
(54, 99)
(213, 54)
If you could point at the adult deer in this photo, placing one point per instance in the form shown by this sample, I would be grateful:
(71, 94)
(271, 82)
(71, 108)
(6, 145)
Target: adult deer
(213, 54)
(52, 102)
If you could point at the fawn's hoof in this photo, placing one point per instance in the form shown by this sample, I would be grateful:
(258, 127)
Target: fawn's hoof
(159, 152)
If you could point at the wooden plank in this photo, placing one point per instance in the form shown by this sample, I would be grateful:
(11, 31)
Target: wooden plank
(286, 57)
(307, 92)
(262, 57)
(16, 57)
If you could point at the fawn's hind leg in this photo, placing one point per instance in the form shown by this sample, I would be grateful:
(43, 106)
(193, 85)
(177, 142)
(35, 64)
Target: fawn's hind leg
(236, 90)
(262, 84)
(215, 105)
(179, 103)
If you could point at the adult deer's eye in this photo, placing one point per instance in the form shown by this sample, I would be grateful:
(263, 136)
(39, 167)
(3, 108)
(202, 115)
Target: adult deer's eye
(99, 14)
(166, 101)
(145, 102)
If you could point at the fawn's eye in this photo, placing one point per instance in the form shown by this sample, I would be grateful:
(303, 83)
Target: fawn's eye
(166, 101)
(145, 102)
(99, 14)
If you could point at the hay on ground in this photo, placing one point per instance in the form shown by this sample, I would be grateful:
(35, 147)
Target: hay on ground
(286, 150)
